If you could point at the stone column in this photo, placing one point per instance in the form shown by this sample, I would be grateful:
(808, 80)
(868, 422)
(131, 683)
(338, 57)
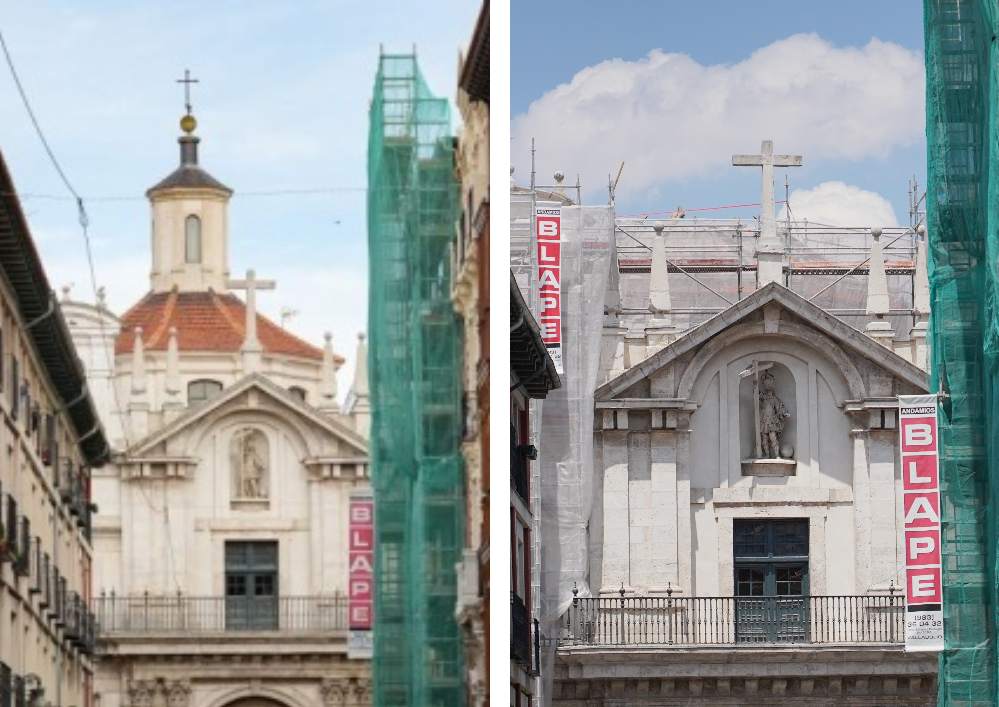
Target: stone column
(138, 402)
(616, 560)
(659, 332)
(877, 295)
(173, 406)
(861, 508)
(684, 557)
(328, 403)
(726, 558)
(665, 570)
(884, 536)
(641, 512)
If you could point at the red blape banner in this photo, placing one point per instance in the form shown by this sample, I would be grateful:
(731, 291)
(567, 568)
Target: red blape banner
(921, 522)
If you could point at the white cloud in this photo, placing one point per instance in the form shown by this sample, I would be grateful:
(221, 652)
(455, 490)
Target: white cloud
(669, 117)
(839, 204)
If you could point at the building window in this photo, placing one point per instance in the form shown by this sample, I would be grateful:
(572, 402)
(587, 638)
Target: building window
(771, 580)
(251, 586)
(15, 387)
(201, 390)
(192, 239)
(298, 393)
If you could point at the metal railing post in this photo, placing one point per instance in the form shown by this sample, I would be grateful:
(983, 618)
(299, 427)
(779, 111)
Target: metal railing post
(669, 610)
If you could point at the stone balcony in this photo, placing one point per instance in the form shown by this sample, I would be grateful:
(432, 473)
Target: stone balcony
(739, 651)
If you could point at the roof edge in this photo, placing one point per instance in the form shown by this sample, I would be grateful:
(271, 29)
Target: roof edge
(50, 336)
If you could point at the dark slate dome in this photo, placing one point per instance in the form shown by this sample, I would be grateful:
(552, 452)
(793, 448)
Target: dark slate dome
(189, 175)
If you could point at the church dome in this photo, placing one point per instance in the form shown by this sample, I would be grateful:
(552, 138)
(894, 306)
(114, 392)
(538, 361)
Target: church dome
(209, 322)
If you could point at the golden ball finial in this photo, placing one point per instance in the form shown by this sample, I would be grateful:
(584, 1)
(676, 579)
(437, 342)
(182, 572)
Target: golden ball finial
(188, 123)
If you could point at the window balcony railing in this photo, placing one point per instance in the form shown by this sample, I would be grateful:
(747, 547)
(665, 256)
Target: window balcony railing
(518, 467)
(205, 615)
(690, 621)
(520, 632)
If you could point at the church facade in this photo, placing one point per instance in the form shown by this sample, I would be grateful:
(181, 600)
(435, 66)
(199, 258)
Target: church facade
(221, 546)
(744, 540)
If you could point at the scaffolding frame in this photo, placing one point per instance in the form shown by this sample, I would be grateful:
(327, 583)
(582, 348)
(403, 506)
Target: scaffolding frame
(415, 372)
(963, 222)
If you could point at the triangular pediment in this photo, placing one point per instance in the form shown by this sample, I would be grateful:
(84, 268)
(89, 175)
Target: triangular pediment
(764, 312)
(264, 395)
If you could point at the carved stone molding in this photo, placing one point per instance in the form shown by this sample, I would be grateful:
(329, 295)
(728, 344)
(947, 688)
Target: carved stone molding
(904, 690)
(361, 690)
(140, 693)
(178, 693)
(334, 692)
(159, 693)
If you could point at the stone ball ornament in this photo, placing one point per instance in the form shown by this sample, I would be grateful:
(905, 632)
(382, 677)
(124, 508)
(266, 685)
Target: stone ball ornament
(786, 451)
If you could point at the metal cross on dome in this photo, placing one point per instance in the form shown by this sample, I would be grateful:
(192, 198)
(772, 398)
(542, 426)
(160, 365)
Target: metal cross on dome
(187, 81)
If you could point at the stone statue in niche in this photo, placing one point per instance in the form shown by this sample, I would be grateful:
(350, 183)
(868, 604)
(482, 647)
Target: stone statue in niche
(249, 456)
(769, 413)
(773, 415)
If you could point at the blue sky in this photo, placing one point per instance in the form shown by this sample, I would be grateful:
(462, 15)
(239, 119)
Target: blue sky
(591, 124)
(282, 104)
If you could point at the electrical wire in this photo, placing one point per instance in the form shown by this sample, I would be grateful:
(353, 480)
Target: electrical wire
(307, 191)
(34, 120)
(687, 211)
(84, 221)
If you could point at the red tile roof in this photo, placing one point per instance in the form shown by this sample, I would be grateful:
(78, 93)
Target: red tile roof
(205, 321)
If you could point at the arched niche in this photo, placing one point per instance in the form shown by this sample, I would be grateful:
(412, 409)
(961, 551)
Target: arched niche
(250, 464)
(813, 389)
(789, 331)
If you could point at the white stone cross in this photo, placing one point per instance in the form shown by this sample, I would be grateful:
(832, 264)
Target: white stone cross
(251, 284)
(754, 371)
(767, 160)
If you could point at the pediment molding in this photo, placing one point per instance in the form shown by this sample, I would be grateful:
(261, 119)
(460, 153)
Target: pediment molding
(790, 330)
(757, 315)
(252, 396)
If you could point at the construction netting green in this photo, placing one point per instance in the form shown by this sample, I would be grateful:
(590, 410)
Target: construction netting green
(962, 211)
(414, 369)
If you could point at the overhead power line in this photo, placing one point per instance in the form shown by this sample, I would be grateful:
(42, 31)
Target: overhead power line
(687, 211)
(27, 196)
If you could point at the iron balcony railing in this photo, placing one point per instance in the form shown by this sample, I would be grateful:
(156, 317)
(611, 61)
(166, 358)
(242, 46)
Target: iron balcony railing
(520, 632)
(201, 615)
(518, 467)
(734, 620)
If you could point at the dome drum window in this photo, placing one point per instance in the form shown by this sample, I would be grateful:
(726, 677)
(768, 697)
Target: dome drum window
(192, 239)
(201, 390)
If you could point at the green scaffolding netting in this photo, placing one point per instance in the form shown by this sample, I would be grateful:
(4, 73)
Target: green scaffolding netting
(414, 369)
(962, 211)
